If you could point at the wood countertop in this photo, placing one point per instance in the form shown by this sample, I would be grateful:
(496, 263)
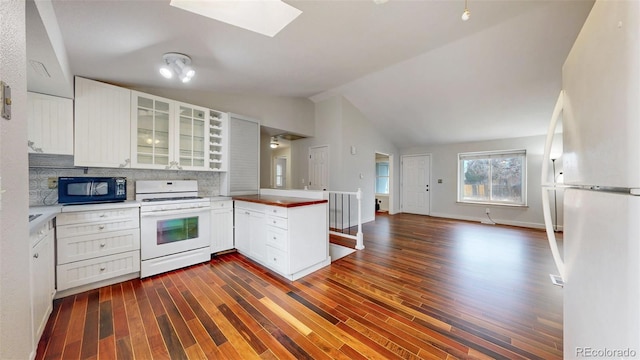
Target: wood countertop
(282, 201)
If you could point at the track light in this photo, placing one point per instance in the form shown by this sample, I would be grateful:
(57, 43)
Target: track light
(178, 64)
(466, 14)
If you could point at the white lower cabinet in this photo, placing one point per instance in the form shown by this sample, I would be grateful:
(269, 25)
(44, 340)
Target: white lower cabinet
(94, 246)
(293, 241)
(221, 225)
(249, 230)
(97, 269)
(42, 278)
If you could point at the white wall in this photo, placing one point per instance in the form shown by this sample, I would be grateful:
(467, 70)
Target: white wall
(341, 125)
(294, 115)
(15, 304)
(444, 163)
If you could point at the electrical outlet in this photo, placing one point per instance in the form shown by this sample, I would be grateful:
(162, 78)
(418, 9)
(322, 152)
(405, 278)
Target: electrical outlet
(487, 211)
(53, 183)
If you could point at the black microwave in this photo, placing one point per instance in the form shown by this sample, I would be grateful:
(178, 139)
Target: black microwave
(83, 190)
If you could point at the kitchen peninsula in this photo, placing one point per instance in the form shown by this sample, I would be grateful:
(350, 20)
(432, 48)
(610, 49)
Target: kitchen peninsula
(284, 230)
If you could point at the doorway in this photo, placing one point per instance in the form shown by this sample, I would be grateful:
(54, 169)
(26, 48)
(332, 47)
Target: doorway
(280, 172)
(415, 179)
(383, 183)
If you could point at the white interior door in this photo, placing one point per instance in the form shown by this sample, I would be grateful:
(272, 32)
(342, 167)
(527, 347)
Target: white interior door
(319, 168)
(415, 184)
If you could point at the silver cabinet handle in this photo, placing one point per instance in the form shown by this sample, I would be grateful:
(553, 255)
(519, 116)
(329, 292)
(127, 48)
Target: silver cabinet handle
(103, 245)
(32, 146)
(102, 268)
(36, 255)
(101, 227)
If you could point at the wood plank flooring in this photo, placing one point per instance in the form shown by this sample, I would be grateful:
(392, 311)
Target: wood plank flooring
(422, 288)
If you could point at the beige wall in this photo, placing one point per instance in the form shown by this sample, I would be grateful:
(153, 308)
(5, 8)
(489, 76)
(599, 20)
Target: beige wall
(340, 125)
(444, 165)
(15, 304)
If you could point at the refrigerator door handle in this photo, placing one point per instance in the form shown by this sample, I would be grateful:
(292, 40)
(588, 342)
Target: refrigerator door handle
(549, 141)
(548, 187)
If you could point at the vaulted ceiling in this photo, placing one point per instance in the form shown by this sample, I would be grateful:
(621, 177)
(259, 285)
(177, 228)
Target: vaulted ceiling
(419, 73)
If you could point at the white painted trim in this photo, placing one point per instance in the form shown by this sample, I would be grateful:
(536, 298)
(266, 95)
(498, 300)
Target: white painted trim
(497, 221)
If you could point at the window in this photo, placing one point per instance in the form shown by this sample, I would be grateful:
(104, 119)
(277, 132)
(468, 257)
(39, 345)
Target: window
(382, 177)
(497, 177)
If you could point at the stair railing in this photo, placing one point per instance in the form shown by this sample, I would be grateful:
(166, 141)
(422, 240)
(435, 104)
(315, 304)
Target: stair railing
(345, 213)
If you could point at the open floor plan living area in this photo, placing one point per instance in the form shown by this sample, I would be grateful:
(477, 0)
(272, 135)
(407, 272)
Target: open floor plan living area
(423, 288)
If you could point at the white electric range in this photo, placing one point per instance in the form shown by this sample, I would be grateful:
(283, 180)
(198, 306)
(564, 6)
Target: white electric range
(174, 225)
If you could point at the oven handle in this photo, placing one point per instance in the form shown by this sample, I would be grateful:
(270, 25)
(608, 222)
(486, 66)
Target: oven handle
(174, 212)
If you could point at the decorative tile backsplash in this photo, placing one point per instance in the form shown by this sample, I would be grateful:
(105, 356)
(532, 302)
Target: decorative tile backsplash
(42, 167)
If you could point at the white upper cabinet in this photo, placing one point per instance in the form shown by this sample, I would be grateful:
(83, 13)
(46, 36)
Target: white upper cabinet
(50, 124)
(168, 134)
(151, 124)
(192, 137)
(102, 125)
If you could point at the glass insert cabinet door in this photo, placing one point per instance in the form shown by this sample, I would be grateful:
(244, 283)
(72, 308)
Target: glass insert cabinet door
(153, 126)
(192, 136)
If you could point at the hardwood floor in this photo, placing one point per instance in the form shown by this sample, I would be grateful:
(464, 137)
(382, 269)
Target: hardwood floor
(422, 288)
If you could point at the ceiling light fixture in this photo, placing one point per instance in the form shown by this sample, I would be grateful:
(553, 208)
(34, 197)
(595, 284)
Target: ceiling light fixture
(274, 143)
(179, 64)
(466, 14)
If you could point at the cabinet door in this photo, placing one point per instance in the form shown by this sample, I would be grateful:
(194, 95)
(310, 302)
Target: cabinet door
(192, 138)
(151, 126)
(50, 124)
(221, 230)
(242, 229)
(42, 284)
(258, 236)
(102, 124)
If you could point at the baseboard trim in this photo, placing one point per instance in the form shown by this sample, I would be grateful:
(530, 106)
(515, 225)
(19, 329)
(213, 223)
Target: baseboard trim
(497, 221)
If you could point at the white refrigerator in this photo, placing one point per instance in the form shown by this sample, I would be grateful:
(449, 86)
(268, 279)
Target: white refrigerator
(600, 109)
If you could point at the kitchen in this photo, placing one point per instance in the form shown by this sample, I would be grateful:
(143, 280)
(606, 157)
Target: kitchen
(367, 141)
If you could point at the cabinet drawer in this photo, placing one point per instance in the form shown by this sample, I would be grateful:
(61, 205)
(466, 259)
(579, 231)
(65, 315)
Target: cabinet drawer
(93, 270)
(277, 222)
(97, 227)
(276, 211)
(278, 260)
(277, 238)
(89, 246)
(222, 204)
(67, 218)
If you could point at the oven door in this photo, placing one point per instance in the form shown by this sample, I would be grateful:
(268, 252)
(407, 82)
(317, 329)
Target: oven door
(173, 231)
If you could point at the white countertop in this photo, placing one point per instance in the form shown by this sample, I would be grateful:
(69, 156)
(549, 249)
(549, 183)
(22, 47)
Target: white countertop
(220, 198)
(48, 213)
